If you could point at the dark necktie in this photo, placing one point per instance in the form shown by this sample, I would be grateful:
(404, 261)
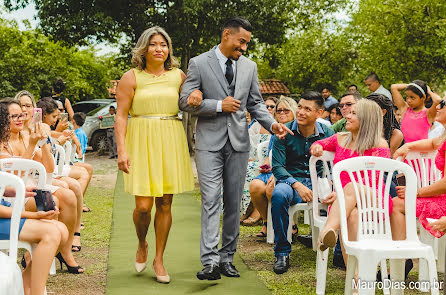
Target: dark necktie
(229, 72)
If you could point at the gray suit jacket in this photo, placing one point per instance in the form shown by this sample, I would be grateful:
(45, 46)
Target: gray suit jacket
(213, 129)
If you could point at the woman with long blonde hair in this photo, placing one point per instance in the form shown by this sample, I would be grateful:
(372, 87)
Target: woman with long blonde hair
(152, 147)
(364, 138)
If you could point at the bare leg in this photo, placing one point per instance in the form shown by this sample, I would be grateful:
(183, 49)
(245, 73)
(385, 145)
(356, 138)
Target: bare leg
(89, 169)
(257, 190)
(80, 174)
(75, 186)
(141, 219)
(352, 223)
(398, 219)
(47, 237)
(163, 222)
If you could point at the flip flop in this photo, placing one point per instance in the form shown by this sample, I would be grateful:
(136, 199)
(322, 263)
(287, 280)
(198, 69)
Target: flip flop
(86, 209)
(261, 235)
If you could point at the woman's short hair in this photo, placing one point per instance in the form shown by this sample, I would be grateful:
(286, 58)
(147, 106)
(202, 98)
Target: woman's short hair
(26, 93)
(273, 98)
(140, 50)
(334, 106)
(370, 131)
(289, 103)
(48, 105)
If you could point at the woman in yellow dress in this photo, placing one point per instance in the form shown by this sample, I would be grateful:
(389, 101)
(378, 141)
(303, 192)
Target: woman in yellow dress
(152, 145)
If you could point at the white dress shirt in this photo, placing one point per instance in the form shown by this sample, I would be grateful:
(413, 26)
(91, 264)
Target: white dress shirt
(222, 61)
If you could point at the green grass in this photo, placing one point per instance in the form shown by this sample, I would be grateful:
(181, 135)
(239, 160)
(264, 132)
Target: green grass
(301, 277)
(95, 243)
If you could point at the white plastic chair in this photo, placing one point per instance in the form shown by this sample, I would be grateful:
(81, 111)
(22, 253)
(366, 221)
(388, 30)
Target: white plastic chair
(319, 221)
(10, 274)
(374, 238)
(27, 170)
(427, 174)
(59, 159)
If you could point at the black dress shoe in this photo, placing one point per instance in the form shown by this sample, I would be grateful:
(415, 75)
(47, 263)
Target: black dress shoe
(209, 272)
(228, 269)
(281, 264)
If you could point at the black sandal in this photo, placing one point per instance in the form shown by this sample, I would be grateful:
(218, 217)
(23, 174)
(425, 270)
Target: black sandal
(71, 269)
(261, 234)
(75, 248)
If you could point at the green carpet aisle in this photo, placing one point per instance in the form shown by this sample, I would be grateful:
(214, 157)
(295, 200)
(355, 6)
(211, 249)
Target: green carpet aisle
(181, 257)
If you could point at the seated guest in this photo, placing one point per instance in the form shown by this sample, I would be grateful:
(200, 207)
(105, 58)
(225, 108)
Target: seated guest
(345, 105)
(18, 146)
(257, 134)
(437, 127)
(391, 132)
(37, 228)
(328, 100)
(290, 166)
(352, 88)
(284, 112)
(364, 138)
(416, 118)
(335, 113)
(373, 83)
(431, 200)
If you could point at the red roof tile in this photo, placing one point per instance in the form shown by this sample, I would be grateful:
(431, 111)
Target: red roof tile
(273, 87)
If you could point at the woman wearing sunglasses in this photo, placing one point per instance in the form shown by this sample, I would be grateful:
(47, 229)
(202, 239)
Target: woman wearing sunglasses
(437, 128)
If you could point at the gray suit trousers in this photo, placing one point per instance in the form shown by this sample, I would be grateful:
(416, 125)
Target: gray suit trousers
(229, 166)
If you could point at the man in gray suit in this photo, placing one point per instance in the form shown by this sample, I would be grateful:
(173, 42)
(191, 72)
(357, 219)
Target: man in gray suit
(220, 86)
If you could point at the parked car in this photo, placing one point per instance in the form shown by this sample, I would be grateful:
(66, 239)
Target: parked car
(87, 106)
(97, 137)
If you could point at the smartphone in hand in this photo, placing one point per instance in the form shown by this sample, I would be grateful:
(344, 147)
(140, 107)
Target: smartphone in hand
(44, 200)
(265, 167)
(64, 116)
(37, 117)
(400, 179)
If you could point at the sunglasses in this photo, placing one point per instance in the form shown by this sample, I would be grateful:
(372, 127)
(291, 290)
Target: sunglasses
(442, 103)
(270, 106)
(348, 104)
(285, 111)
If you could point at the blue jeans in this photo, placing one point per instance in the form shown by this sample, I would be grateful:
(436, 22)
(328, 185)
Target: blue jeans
(283, 197)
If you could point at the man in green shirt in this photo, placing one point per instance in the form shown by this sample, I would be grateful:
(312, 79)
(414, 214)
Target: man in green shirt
(346, 102)
(290, 166)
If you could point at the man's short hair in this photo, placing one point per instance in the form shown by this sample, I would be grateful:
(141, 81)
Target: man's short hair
(373, 76)
(79, 118)
(353, 85)
(112, 107)
(328, 87)
(314, 96)
(236, 23)
(356, 95)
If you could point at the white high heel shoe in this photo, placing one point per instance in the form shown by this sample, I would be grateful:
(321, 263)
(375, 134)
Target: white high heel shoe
(161, 279)
(139, 267)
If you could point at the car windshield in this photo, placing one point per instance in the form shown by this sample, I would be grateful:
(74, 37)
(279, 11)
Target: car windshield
(96, 110)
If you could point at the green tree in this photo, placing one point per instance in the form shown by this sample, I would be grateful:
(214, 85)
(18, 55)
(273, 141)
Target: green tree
(29, 60)
(401, 40)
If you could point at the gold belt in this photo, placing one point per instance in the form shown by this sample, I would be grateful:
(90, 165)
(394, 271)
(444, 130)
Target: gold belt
(176, 117)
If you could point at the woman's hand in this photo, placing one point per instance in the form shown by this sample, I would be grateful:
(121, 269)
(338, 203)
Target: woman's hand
(36, 134)
(47, 215)
(62, 139)
(439, 225)
(401, 152)
(329, 199)
(124, 162)
(401, 191)
(62, 125)
(270, 187)
(316, 150)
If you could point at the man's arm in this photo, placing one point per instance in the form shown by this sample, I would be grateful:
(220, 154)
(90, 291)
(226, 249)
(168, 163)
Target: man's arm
(208, 107)
(279, 161)
(255, 104)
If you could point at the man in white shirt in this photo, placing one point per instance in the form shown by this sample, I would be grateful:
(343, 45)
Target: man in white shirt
(374, 85)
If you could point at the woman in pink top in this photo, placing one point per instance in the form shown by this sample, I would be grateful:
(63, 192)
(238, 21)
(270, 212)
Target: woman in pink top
(431, 200)
(416, 118)
(365, 126)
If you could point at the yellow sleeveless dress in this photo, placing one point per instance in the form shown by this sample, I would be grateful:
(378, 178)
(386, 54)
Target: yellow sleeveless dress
(158, 152)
